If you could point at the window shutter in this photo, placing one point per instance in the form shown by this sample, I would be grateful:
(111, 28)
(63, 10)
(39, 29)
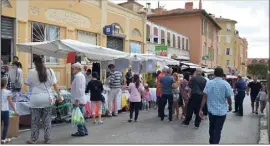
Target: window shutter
(231, 51)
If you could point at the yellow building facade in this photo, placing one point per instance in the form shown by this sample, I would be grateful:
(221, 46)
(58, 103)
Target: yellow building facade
(83, 20)
(227, 47)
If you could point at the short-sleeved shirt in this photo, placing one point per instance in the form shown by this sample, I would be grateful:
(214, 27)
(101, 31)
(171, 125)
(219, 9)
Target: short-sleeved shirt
(135, 95)
(115, 79)
(255, 88)
(4, 95)
(158, 90)
(39, 88)
(95, 87)
(217, 91)
(166, 84)
(197, 84)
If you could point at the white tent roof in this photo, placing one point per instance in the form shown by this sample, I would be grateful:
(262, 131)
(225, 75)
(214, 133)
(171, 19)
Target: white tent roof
(206, 70)
(60, 49)
(145, 57)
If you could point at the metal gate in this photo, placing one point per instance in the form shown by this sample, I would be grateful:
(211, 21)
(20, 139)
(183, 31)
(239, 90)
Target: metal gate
(7, 28)
(115, 43)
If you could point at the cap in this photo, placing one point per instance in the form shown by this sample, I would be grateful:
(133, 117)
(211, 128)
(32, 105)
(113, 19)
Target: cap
(77, 65)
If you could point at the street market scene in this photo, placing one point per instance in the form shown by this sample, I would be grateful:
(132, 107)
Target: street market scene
(132, 72)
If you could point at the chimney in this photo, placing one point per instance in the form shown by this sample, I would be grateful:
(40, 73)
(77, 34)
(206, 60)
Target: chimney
(148, 7)
(189, 6)
(131, 0)
(200, 4)
(159, 11)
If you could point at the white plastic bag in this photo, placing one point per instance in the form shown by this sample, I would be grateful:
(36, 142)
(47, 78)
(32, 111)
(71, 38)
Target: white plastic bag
(77, 117)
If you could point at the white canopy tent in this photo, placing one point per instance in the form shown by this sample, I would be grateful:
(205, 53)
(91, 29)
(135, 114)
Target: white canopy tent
(145, 57)
(60, 49)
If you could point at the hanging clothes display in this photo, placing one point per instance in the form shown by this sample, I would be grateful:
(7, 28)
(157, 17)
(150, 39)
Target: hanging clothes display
(136, 67)
(121, 64)
(150, 66)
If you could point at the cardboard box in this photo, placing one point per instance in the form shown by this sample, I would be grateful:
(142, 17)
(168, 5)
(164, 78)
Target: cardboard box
(13, 127)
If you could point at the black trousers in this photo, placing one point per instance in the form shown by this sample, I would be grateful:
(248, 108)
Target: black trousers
(215, 127)
(238, 102)
(163, 102)
(134, 106)
(193, 106)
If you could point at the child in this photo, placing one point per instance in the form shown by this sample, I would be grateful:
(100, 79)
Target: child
(146, 97)
(6, 102)
(262, 99)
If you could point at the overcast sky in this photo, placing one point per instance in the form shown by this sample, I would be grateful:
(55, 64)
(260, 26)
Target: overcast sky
(252, 17)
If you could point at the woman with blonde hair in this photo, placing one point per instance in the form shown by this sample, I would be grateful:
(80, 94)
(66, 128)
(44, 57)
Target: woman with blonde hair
(176, 92)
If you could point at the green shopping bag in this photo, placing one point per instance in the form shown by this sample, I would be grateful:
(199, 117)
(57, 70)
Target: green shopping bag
(77, 117)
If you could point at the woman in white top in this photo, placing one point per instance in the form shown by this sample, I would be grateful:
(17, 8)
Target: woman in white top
(40, 79)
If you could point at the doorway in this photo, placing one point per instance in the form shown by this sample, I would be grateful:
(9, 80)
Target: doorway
(6, 50)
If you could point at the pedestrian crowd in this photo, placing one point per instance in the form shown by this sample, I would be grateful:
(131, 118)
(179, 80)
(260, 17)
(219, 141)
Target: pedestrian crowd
(194, 94)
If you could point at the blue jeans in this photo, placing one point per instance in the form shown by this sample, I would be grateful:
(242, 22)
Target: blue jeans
(81, 128)
(215, 127)
(5, 120)
(162, 104)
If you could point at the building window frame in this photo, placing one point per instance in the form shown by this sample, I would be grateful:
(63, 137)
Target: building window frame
(228, 27)
(41, 32)
(228, 62)
(228, 39)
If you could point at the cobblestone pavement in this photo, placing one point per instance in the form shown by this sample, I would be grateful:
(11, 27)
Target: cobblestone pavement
(150, 130)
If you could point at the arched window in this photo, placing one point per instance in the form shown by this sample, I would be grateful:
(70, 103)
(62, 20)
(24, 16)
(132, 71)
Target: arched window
(136, 32)
(119, 28)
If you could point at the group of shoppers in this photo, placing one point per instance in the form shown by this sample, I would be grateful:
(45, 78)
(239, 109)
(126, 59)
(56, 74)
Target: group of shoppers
(195, 92)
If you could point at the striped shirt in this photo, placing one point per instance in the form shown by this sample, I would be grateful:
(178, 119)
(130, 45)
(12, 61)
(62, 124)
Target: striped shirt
(115, 79)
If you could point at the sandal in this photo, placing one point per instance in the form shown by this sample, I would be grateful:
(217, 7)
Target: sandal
(31, 142)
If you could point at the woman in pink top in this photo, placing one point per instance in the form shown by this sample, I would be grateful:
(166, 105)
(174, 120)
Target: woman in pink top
(135, 89)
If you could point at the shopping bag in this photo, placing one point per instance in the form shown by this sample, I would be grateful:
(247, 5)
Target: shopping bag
(77, 117)
(87, 113)
(124, 101)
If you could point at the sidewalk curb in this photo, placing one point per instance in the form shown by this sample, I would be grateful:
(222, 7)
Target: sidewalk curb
(264, 136)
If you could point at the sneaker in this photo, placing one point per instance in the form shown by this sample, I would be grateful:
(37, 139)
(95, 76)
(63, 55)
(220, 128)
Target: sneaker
(8, 140)
(78, 134)
(130, 120)
(184, 124)
(115, 115)
(47, 142)
(256, 112)
(135, 120)
(3, 142)
(109, 115)
(196, 127)
(253, 111)
(100, 122)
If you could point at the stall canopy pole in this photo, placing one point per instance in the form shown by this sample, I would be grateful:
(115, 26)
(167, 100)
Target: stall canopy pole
(31, 57)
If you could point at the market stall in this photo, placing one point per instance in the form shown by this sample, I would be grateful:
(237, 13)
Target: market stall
(142, 63)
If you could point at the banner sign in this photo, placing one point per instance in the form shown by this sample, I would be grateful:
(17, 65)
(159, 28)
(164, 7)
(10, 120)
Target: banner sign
(161, 50)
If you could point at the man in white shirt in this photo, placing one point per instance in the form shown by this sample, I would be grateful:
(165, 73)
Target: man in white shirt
(77, 95)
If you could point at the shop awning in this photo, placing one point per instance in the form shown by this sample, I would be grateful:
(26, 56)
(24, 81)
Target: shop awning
(60, 49)
(190, 65)
(206, 70)
(145, 57)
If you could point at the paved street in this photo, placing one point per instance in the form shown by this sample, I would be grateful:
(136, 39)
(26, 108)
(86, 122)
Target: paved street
(150, 130)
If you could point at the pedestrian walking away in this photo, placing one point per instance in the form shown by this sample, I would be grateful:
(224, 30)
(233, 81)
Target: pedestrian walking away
(115, 85)
(136, 90)
(196, 85)
(240, 96)
(167, 94)
(254, 87)
(77, 96)
(40, 79)
(96, 88)
(217, 93)
(262, 100)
